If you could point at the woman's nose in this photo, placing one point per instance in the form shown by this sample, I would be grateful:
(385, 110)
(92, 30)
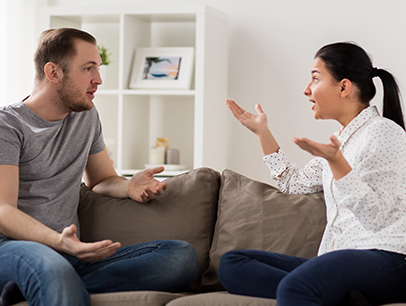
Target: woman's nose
(306, 91)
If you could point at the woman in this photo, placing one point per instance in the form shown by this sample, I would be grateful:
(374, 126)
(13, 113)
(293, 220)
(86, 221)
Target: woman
(362, 173)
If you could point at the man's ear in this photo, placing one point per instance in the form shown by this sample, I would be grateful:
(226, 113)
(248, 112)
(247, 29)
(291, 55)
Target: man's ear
(345, 88)
(53, 72)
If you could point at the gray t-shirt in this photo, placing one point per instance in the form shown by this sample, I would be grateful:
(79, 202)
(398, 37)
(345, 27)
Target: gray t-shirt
(51, 157)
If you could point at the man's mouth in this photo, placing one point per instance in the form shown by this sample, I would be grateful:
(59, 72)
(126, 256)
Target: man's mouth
(91, 93)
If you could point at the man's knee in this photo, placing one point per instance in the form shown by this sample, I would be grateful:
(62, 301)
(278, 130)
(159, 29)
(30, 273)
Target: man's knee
(184, 258)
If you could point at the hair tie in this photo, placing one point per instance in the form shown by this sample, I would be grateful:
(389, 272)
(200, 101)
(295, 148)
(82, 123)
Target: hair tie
(375, 72)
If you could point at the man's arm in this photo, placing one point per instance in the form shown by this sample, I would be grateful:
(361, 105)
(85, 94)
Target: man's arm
(101, 177)
(17, 225)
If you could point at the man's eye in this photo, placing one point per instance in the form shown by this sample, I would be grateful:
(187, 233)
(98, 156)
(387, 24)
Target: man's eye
(89, 68)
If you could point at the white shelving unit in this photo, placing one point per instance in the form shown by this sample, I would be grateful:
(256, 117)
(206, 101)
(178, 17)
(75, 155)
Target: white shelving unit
(193, 120)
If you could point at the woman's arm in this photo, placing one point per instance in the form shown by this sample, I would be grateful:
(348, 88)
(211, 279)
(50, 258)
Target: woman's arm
(258, 124)
(331, 152)
(287, 176)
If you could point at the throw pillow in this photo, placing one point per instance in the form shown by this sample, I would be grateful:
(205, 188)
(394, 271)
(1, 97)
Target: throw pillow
(185, 211)
(255, 215)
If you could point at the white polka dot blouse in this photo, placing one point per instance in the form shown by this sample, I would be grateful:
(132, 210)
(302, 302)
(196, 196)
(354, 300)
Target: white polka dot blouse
(366, 209)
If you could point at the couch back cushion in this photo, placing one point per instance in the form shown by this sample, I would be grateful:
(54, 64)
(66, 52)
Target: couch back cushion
(186, 211)
(255, 215)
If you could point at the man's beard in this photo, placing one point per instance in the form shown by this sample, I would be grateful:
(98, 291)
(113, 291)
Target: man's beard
(69, 99)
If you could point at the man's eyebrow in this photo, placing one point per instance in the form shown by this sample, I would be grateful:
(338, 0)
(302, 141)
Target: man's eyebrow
(90, 62)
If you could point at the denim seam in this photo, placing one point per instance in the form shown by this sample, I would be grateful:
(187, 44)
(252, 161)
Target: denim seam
(22, 261)
(118, 256)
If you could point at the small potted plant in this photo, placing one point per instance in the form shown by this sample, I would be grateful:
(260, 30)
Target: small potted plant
(104, 54)
(106, 60)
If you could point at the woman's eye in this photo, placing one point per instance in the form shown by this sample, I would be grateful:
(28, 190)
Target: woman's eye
(315, 79)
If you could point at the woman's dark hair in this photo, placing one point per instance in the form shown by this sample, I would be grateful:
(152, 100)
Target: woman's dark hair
(348, 61)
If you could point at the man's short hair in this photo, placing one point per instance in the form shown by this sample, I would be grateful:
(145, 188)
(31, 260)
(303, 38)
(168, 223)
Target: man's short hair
(58, 46)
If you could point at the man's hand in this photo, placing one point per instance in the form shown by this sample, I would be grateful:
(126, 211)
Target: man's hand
(88, 252)
(143, 187)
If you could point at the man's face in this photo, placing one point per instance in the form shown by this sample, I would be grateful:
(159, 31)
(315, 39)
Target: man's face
(79, 84)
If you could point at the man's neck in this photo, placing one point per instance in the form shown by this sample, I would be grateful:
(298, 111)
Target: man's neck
(45, 104)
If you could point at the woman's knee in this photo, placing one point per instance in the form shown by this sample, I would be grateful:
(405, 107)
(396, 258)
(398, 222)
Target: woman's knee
(229, 268)
(294, 288)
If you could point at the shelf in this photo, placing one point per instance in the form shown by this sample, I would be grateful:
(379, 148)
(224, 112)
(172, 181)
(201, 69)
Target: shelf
(148, 92)
(132, 119)
(107, 92)
(165, 173)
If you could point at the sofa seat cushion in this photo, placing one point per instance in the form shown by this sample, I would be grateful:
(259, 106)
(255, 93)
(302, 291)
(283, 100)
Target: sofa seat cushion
(221, 299)
(141, 298)
(185, 211)
(255, 215)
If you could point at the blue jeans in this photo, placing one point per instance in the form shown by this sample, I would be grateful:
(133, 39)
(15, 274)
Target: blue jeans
(325, 280)
(46, 277)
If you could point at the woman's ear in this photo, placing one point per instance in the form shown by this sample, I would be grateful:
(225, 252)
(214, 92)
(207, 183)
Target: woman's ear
(52, 72)
(345, 88)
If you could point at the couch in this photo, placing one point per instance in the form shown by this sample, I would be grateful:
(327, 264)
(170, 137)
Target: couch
(215, 213)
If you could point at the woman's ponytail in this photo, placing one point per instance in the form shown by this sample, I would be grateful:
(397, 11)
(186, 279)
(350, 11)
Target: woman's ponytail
(392, 108)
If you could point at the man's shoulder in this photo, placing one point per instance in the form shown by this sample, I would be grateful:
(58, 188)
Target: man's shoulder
(10, 115)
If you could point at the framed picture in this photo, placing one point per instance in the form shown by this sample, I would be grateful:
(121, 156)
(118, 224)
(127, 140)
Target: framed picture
(162, 68)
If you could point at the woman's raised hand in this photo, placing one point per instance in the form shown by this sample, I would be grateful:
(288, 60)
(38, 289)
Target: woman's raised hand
(258, 124)
(255, 123)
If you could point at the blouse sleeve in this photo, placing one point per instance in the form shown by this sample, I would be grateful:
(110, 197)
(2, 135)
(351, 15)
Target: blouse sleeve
(375, 187)
(292, 180)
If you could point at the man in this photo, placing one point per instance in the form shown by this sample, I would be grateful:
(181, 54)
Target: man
(47, 143)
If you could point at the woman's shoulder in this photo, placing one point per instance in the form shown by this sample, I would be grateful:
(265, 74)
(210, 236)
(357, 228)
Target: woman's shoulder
(382, 134)
(384, 127)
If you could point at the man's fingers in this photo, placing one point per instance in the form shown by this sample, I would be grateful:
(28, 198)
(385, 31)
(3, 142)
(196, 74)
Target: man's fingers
(98, 250)
(157, 170)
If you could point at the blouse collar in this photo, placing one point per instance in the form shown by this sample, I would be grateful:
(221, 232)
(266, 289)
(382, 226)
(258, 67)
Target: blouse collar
(357, 122)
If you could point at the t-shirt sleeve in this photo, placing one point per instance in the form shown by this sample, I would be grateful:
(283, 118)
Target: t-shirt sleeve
(98, 144)
(11, 141)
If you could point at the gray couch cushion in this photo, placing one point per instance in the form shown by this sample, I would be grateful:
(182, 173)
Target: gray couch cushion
(255, 215)
(221, 299)
(186, 211)
(139, 298)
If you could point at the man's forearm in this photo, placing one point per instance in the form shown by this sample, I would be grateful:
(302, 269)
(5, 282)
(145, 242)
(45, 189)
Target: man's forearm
(114, 186)
(18, 225)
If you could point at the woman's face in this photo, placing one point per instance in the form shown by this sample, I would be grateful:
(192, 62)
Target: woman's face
(324, 92)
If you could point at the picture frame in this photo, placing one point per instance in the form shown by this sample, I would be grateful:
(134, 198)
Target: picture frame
(162, 68)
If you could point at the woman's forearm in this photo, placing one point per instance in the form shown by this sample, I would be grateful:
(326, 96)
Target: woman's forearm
(267, 142)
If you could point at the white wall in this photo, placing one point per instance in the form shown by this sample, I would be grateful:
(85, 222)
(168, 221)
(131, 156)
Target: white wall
(271, 48)
(20, 26)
